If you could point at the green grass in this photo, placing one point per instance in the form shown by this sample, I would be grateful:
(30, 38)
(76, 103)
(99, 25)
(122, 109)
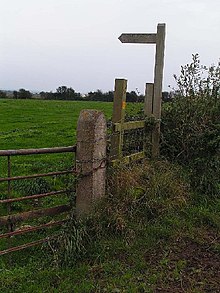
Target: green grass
(36, 124)
(152, 233)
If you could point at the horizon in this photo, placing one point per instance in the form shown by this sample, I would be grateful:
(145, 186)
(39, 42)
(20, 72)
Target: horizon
(48, 43)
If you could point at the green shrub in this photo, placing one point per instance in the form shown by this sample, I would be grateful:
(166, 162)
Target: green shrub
(191, 125)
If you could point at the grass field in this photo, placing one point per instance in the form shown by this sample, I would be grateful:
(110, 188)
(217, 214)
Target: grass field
(155, 234)
(36, 124)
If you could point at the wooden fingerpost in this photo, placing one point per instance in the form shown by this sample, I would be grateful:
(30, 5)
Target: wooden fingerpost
(159, 40)
(148, 112)
(90, 160)
(158, 79)
(118, 116)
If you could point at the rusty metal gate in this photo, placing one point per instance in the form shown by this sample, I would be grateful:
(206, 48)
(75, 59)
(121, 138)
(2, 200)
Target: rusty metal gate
(10, 220)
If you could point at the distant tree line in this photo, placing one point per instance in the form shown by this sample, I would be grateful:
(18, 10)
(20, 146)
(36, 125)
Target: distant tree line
(69, 94)
(21, 94)
(65, 93)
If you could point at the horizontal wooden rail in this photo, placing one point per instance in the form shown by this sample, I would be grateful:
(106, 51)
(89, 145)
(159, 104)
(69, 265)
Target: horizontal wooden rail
(34, 196)
(24, 152)
(129, 125)
(15, 218)
(129, 159)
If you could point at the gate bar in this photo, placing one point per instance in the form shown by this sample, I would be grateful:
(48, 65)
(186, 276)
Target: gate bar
(32, 229)
(22, 152)
(34, 196)
(37, 175)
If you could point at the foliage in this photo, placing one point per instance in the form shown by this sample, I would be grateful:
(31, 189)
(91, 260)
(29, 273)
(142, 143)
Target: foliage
(22, 94)
(3, 95)
(198, 80)
(62, 93)
(100, 96)
(190, 125)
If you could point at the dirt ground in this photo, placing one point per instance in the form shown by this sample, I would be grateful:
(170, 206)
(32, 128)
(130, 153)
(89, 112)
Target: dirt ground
(190, 266)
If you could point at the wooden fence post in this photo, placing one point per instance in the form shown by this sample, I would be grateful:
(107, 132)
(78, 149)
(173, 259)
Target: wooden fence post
(148, 112)
(158, 79)
(90, 160)
(118, 117)
(148, 101)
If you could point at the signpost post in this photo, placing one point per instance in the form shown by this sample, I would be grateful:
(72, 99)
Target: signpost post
(155, 111)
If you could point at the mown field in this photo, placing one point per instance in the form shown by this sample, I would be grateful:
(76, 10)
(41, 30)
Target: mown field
(35, 124)
(152, 233)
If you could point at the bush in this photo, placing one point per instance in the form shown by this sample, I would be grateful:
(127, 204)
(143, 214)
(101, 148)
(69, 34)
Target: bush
(191, 127)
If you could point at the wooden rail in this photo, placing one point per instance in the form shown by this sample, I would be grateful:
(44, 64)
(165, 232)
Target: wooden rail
(129, 125)
(128, 159)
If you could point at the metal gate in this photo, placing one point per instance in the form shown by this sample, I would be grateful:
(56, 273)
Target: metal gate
(9, 221)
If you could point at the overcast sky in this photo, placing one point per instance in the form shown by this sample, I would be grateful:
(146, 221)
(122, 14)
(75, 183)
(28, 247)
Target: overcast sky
(48, 43)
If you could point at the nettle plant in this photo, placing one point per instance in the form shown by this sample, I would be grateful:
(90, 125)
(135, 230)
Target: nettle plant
(191, 124)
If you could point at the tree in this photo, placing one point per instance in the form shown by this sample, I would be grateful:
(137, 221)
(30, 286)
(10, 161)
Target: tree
(22, 94)
(65, 93)
(47, 95)
(15, 94)
(3, 95)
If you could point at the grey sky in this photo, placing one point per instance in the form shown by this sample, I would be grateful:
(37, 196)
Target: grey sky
(48, 43)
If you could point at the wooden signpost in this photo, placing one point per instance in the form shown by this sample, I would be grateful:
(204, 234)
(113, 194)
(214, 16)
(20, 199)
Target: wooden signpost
(138, 38)
(153, 94)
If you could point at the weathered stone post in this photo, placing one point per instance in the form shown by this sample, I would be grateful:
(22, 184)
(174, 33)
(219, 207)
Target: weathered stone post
(90, 160)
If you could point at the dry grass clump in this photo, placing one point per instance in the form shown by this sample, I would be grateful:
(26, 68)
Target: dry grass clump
(136, 195)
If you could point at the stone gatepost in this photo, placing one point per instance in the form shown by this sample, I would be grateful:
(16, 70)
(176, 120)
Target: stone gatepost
(90, 160)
